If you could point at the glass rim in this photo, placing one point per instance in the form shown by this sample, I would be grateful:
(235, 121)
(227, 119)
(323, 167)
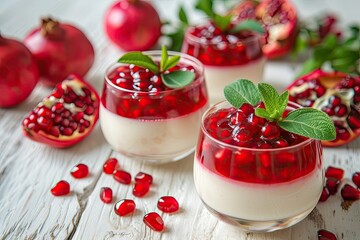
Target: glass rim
(238, 148)
(199, 67)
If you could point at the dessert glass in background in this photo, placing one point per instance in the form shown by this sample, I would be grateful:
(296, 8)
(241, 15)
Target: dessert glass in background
(225, 56)
(253, 188)
(143, 119)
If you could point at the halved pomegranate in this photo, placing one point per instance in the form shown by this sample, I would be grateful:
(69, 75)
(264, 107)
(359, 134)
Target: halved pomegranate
(65, 117)
(279, 18)
(335, 93)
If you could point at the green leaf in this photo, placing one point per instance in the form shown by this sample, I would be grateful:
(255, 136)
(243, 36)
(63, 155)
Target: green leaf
(270, 98)
(177, 39)
(178, 79)
(261, 112)
(164, 58)
(248, 25)
(242, 91)
(206, 6)
(139, 59)
(222, 22)
(309, 122)
(309, 66)
(171, 62)
(283, 102)
(183, 16)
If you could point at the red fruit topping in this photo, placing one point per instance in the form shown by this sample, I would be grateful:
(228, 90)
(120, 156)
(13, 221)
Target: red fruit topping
(56, 121)
(124, 207)
(324, 195)
(333, 172)
(149, 97)
(80, 171)
(122, 176)
(335, 93)
(141, 188)
(356, 179)
(279, 18)
(106, 194)
(19, 72)
(143, 177)
(154, 221)
(60, 49)
(168, 204)
(332, 184)
(350, 193)
(133, 25)
(110, 165)
(326, 235)
(61, 188)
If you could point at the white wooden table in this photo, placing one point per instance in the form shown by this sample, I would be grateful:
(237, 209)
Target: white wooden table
(28, 170)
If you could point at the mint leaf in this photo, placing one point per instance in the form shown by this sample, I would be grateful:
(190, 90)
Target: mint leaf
(222, 22)
(139, 59)
(270, 97)
(183, 16)
(309, 122)
(248, 25)
(164, 58)
(206, 6)
(178, 79)
(261, 112)
(242, 91)
(283, 102)
(171, 62)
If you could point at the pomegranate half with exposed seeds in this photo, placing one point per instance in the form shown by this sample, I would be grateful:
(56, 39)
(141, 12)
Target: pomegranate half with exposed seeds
(335, 93)
(18, 72)
(279, 18)
(60, 49)
(133, 25)
(65, 117)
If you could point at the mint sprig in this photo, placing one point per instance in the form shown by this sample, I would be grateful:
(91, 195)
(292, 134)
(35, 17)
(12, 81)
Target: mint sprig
(307, 122)
(174, 79)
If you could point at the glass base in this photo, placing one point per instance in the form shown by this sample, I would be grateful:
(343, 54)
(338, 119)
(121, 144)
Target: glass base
(259, 226)
(157, 159)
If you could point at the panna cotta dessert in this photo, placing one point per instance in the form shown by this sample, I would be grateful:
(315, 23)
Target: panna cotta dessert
(226, 56)
(251, 171)
(149, 118)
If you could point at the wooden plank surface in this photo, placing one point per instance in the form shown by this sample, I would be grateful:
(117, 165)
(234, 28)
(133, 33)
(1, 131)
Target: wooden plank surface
(28, 170)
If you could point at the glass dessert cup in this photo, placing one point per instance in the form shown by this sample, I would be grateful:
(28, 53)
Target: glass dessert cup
(257, 189)
(226, 57)
(159, 125)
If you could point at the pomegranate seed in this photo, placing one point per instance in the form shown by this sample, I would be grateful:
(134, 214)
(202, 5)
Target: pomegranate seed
(332, 185)
(247, 109)
(271, 131)
(106, 194)
(326, 235)
(168, 204)
(122, 176)
(124, 207)
(61, 188)
(154, 221)
(324, 195)
(141, 188)
(333, 172)
(110, 165)
(348, 192)
(143, 177)
(80, 171)
(356, 179)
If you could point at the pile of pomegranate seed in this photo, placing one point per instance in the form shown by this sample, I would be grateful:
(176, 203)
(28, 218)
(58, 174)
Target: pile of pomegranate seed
(326, 235)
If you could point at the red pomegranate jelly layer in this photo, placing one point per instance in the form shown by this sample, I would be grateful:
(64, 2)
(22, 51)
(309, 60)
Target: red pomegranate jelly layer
(142, 94)
(258, 151)
(213, 47)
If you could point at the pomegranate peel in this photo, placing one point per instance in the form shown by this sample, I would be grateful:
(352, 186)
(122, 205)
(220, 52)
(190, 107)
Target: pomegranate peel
(335, 93)
(66, 116)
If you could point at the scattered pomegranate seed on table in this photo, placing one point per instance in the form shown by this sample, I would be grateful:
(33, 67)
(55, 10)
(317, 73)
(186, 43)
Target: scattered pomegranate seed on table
(168, 204)
(61, 188)
(333, 172)
(122, 176)
(326, 235)
(141, 189)
(80, 171)
(154, 221)
(356, 179)
(124, 207)
(106, 194)
(324, 195)
(332, 184)
(350, 193)
(110, 165)
(143, 177)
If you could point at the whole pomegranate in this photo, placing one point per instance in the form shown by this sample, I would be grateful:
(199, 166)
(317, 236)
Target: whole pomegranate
(60, 49)
(279, 18)
(18, 72)
(133, 25)
(66, 116)
(335, 93)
